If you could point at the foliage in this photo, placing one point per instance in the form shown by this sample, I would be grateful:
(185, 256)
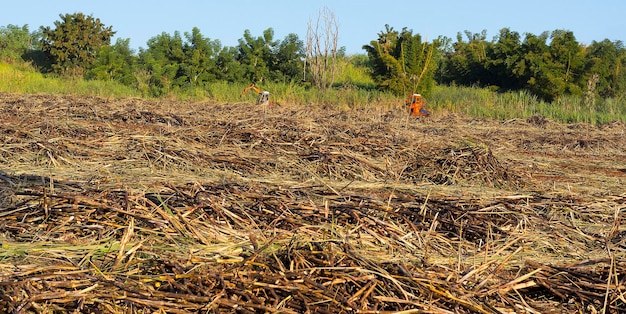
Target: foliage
(466, 63)
(161, 62)
(504, 62)
(288, 59)
(354, 72)
(511, 75)
(255, 55)
(18, 44)
(15, 42)
(566, 63)
(402, 62)
(114, 63)
(227, 68)
(198, 64)
(72, 46)
(264, 59)
(26, 80)
(608, 60)
(171, 62)
(552, 70)
(550, 65)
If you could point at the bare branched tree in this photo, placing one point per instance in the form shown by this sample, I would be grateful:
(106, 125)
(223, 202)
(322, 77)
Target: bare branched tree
(321, 49)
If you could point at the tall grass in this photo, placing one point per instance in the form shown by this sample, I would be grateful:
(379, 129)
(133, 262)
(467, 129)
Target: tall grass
(485, 103)
(354, 89)
(353, 72)
(26, 80)
(293, 94)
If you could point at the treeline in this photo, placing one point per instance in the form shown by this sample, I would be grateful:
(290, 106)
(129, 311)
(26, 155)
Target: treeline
(80, 46)
(549, 65)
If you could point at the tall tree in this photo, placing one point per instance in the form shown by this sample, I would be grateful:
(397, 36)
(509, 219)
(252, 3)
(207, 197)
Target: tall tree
(566, 64)
(15, 42)
(255, 55)
(533, 67)
(73, 45)
(552, 70)
(289, 55)
(548, 65)
(322, 39)
(199, 63)
(227, 67)
(161, 62)
(467, 64)
(607, 59)
(263, 58)
(114, 63)
(503, 60)
(402, 62)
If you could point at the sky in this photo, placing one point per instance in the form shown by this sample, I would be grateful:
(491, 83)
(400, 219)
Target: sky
(359, 22)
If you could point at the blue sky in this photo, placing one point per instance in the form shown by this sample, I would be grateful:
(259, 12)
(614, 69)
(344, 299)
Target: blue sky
(359, 21)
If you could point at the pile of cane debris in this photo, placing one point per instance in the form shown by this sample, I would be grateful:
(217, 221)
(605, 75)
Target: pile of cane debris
(121, 206)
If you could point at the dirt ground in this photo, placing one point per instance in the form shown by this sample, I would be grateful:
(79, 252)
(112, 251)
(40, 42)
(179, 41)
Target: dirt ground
(135, 206)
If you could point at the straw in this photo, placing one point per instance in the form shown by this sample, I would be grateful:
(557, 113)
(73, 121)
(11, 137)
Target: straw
(159, 206)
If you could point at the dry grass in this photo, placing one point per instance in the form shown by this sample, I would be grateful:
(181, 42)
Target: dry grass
(129, 206)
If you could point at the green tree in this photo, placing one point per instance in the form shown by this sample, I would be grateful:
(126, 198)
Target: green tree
(115, 63)
(549, 65)
(565, 64)
(401, 62)
(255, 55)
(263, 58)
(532, 68)
(73, 45)
(288, 56)
(503, 61)
(467, 63)
(15, 42)
(551, 70)
(161, 62)
(173, 62)
(227, 66)
(608, 60)
(198, 66)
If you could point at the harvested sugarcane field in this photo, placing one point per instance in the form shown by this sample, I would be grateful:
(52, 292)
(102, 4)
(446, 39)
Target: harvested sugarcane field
(154, 206)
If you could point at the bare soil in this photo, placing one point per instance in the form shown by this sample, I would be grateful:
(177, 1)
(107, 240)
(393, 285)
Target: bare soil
(136, 206)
